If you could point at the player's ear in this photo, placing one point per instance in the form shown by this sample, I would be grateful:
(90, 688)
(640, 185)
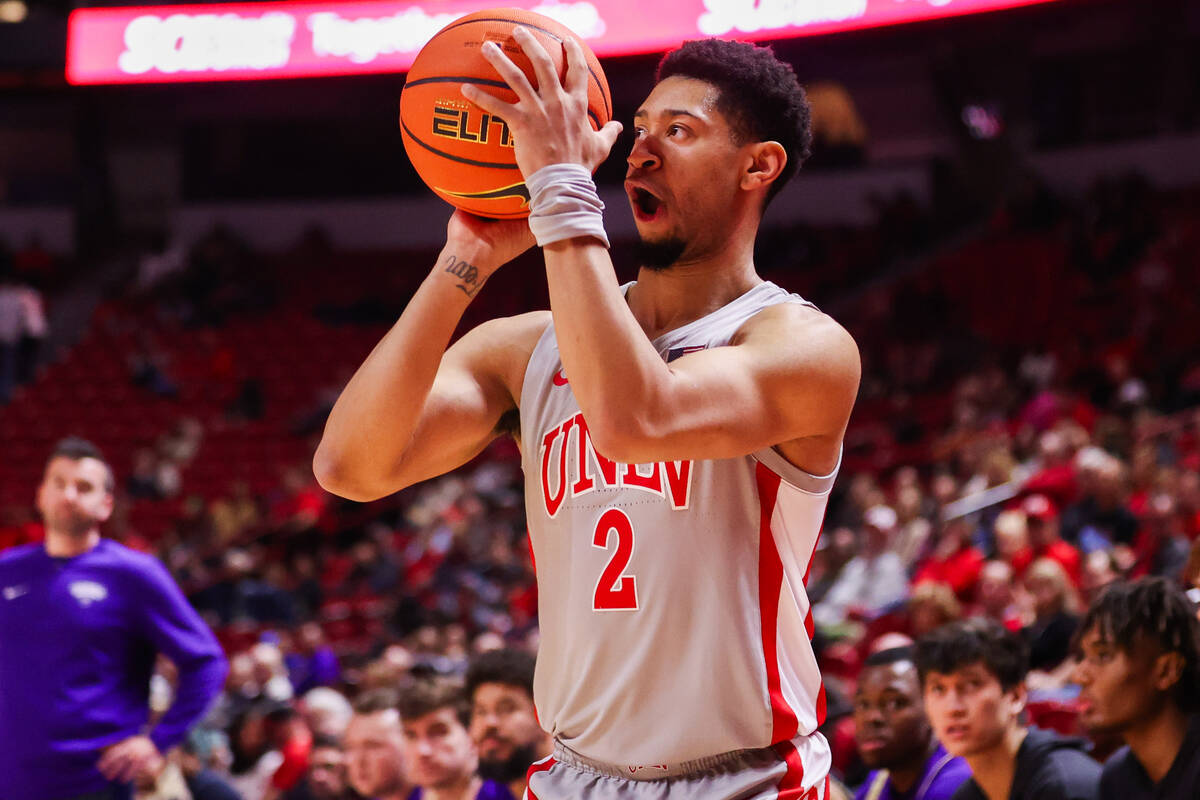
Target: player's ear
(763, 164)
(1167, 671)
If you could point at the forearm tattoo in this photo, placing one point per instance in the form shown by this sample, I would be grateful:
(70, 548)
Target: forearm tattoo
(469, 277)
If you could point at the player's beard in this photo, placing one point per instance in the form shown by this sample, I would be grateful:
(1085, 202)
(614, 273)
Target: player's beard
(509, 769)
(658, 255)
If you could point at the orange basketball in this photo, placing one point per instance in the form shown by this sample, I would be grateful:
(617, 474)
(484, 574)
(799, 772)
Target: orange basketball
(461, 152)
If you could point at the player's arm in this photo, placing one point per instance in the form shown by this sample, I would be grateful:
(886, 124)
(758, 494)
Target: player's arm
(791, 373)
(415, 409)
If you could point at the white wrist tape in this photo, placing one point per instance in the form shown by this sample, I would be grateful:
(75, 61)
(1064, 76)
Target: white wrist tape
(563, 204)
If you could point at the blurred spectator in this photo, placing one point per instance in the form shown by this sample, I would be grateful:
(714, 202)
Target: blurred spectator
(34, 329)
(312, 662)
(327, 712)
(149, 368)
(1041, 520)
(442, 759)
(839, 134)
(504, 725)
(1100, 518)
(204, 759)
(871, 581)
(1160, 547)
(1012, 541)
(1140, 679)
(12, 312)
(954, 561)
(1055, 615)
(994, 595)
(234, 513)
(1099, 570)
(930, 606)
(972, 674)
(33, 264)
(894, 737)
(326, 778)
(374, 748)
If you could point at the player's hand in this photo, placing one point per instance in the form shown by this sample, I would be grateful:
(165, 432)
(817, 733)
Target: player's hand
(487, 244)
(130, 759)
(550, 124)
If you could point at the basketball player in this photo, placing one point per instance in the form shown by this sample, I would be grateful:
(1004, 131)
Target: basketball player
(679, 434)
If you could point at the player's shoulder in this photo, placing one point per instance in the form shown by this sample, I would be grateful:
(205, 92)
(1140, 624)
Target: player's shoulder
(502, 347)
(20, 554)
(803, 333)
(139, 566)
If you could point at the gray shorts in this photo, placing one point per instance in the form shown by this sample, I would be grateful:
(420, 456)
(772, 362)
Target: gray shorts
(772, 773)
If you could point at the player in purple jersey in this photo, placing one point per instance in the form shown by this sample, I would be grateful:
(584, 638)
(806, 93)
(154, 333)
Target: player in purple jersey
(82, 620)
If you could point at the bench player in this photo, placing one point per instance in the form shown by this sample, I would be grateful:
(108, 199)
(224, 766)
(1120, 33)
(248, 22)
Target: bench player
(679, 434)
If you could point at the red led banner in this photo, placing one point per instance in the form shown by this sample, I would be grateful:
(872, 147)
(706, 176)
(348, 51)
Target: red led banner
(252, 41)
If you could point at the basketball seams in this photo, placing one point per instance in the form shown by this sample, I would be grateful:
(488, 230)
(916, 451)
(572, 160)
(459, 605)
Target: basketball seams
(556, 36)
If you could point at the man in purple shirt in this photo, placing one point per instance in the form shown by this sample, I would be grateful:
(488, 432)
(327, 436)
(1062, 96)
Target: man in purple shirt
(82, 620)
(894, 736)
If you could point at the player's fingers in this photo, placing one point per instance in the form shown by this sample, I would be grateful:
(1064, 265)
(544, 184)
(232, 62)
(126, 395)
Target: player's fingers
(509, 71)
(609, 133)
(115, 767)
(489, 102)
(543, 67)
(109, 757)
(577, 68)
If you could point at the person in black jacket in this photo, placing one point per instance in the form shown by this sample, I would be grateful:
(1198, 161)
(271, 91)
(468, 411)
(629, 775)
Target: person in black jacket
(1139, 670)
(972, 676)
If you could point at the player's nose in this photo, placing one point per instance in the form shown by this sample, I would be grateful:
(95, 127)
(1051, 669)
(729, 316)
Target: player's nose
(643, 155)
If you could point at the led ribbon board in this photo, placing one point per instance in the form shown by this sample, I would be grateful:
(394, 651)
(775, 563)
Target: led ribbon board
(254, 41)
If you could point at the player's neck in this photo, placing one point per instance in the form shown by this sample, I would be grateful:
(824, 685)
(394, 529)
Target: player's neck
(464, 788)
(1155, 742)
(995, 768)
(905, 776)
(664, 300)
(61, 544)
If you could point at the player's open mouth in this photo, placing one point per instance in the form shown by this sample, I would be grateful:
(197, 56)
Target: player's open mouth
(646, 207)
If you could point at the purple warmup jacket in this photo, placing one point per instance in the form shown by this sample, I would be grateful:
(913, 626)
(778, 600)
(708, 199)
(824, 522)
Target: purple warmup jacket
(78, 640)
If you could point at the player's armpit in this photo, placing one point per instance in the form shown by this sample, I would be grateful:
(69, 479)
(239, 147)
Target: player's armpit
(790, 375)
(476, 385)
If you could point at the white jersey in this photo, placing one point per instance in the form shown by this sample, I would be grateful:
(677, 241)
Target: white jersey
(674, 620)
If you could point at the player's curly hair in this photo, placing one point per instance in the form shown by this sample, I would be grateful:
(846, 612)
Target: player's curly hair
(1156, 610)
(759, 94)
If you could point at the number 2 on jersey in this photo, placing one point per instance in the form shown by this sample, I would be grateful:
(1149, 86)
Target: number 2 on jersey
(615, 591)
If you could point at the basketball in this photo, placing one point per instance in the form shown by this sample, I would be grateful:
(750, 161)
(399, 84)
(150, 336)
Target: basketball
(462, 153)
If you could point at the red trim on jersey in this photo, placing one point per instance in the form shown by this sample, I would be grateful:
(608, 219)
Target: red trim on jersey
(791, 785)
(784, 722)
(538, 766)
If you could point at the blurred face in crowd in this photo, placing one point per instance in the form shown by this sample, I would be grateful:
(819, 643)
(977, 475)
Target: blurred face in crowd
(327, 773)
(890, 724)
(1120, 688)
(440, 751)
(994, 591)
(969, 710)
(73, 497)
(374, 748)
(504, 725)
